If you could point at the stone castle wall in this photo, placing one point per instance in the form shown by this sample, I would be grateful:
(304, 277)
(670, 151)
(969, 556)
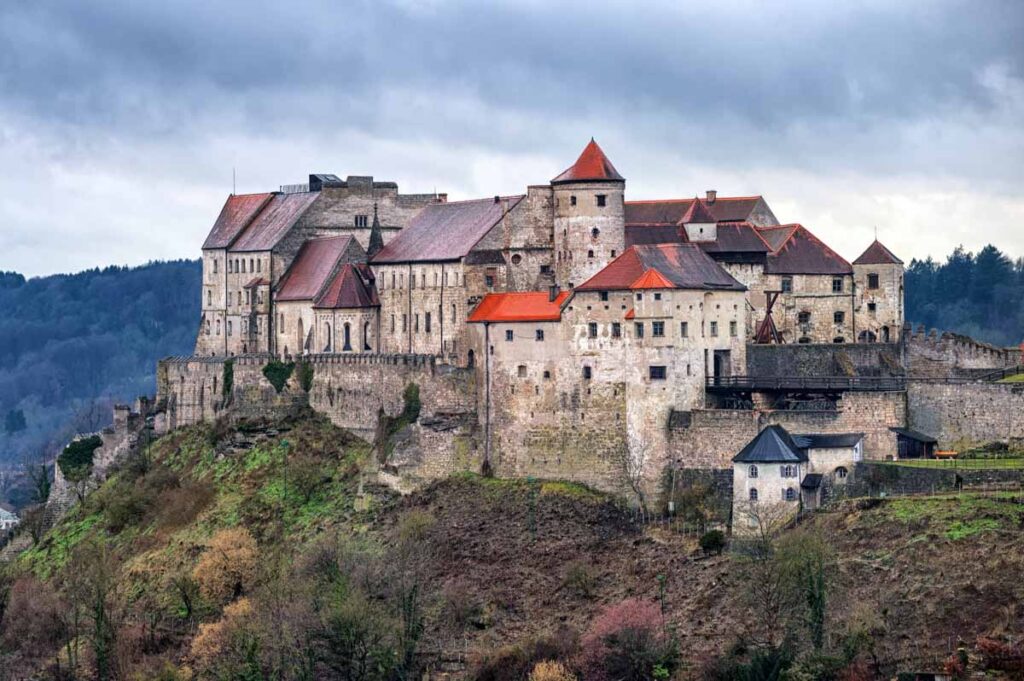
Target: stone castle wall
(962, 415)
(824, 359)
(935, 355)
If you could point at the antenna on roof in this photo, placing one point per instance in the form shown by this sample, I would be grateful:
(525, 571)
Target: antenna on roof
(234, 184)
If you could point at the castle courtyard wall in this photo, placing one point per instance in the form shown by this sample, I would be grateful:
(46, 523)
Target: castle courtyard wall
(963, 415)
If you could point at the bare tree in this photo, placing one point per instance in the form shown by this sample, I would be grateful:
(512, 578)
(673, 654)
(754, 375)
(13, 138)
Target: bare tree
(631, 462)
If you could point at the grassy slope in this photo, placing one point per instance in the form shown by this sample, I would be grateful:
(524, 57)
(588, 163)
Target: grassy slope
(934, 568)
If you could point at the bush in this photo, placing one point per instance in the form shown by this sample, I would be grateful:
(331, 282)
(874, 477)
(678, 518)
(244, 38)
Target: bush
(227, 567)
(549, 670)
(278, 373)
(460, 605)
(580, 580)
(76, 460)
(306, 373)
(124, 505)
(712, 541)
(628, 641)
(515, 662)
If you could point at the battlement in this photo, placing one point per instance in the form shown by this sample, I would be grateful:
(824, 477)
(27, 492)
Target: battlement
(935, 354)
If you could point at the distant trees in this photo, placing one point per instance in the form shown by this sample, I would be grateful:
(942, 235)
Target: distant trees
(969, 294)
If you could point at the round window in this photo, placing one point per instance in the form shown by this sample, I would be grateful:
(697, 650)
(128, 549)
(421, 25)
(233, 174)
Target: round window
(516, 259)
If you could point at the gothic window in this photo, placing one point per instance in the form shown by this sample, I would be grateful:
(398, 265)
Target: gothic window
(753, 494)
(752, 471)
(658, 329)
(423, 279)
(657, 373)
(218, 327)
(509, 335)
(872, 280)
(392, 280)
(837, 284)
(838, 316)
(602, 199)
(209, 298)
(787, 284)
(592, 329)
(259, 265)
(347, 343)
(207, 329)
(243, 265)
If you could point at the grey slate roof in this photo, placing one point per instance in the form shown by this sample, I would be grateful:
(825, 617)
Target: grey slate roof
(828, 440)
(914, 435)
(772, 445)
(811, 481)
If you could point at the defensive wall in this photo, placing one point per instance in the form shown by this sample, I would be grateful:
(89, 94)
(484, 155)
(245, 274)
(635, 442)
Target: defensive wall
(877, 479)
(939, 355)
(825, 359)
(964, 414)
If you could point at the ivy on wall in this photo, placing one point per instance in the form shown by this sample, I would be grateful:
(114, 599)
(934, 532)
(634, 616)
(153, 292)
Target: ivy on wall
(278, 373)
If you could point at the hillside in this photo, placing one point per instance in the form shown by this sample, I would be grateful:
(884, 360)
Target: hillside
(71, 344)
(261, 548)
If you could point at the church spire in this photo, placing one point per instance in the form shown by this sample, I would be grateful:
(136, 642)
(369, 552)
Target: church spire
(376, 236)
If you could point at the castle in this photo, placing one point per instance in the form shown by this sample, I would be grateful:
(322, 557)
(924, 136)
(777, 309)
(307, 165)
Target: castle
(564, 332)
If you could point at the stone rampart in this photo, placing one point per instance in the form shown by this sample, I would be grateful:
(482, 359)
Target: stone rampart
(964, 415)
(878, 479)
(824, 359)
(935, 355)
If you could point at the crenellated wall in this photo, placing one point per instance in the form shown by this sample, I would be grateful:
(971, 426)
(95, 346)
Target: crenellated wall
(935, 355)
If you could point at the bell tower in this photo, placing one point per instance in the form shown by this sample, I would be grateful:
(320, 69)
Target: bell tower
(590, 222)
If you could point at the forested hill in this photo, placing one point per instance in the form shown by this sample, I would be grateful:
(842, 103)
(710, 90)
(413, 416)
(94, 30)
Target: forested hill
(71, 344)
(980, 295)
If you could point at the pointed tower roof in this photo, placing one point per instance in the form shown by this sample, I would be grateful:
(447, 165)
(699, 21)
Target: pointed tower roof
(376, 236)
(772, 445)
(697, 213)
(877, 254)
(592, 165)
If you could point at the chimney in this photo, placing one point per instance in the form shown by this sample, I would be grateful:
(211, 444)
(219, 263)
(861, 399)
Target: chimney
(497, 199)
(442, 198)
(552, 293)
(711, 195)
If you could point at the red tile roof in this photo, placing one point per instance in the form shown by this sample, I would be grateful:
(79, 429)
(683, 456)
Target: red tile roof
(631, 314)
(877, 254)
(652, 278)
(533, 306)
(697, 213)
(274, 221)
(800, 252)
(237, 213)
(671, 211)
(309, 272)
(351, 287)
(591, 165)
(685, 266)
(445, 231)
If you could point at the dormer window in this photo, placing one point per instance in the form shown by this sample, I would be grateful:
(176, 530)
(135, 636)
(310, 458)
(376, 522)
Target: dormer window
(362, 221)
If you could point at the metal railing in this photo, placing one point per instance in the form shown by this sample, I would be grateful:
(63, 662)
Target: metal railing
(809, 383)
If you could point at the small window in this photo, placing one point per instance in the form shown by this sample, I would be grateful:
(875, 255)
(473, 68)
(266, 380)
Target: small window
(841, 473)
(657, 296)
(416, 323)
(787, 284)
(547, 375)
(639, 329)
(752, 471)
(658, 329)
(804, 340)
(516, 259)
(616, 330)
(657, 373)
(426, 322)
(521, 370)
(837, 284)
(572, 200)
(601, 200)
(714, 329)
(215, 267)
(790, 494)
(872, 307)
(639, 296)
(545, 269)
(592, 329)
(539, 335)
(753, 494)
(590, 254)
(489, 280)
(362, 221)
(733, 329)
(839, 317)
(604, 296)
(259, 265)
(838, 339)
(392, 323)
(872, 280)
(804, 317)
(613, 253)
(587, 373)
(509, 335)
(595, 232)
(684, 329)
(229, 328)
(405, 323)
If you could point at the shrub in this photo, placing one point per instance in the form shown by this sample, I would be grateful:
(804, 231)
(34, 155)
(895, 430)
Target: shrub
(211, 648)
(460, 605)
(306, 372)
(549, 670)
(228, 384)
(227, 567)
(76, 460)
(415, 525)
(124, 505)
(278, 373)
(515, 662)
(628, 641)
(712, 541)
(580, 580)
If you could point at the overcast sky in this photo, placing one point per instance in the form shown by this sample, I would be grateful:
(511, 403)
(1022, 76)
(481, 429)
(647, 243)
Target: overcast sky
(121, 121)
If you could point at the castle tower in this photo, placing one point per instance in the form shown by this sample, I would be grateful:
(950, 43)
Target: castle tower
(878, 305)
(589, 224)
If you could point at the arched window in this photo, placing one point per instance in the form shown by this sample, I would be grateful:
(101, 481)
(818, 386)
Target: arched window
(752, 471)
(366, 336)
(753, 494)
(841, 473)
(209, 298)
(867, 337)
(347, 347)
(595, 232)
(218, 327)
(790, 494)
(327, 337)
(885, 334)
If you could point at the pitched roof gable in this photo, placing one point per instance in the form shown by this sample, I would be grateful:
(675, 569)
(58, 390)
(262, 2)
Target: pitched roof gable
(672, 211)
(697, 213)
(877, 254)
(351, 287)
(274, 221)
(800, 252)
(531, 306)
(445, 231)
(684, 266)
(313, 265)
(652, 278)
(235, 216)
(591, 165)
(772, 445)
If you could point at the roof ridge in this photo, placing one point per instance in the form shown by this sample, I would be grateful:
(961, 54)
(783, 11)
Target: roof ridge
(485, 198)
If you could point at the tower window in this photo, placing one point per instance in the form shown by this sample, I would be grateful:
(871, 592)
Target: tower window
(732, 329)
(592, 329)
(658, 329)
(638, 327)
(602, 199)
(837, 284)
(595, 232)
(684, 329)
(838, 316)
(657, 373)
(872, 279)
(361, 221)
(587, 373)
(657, 296)
(572, 200)
(509, 335)
(521, 369)
(540, 334)
(590, 254)
(804, 317)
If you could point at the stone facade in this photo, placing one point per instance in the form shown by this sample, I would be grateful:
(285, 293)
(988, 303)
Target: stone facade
(589, 229)
(964, 414)
(817, 309)
(935, 355)
(878, 303)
